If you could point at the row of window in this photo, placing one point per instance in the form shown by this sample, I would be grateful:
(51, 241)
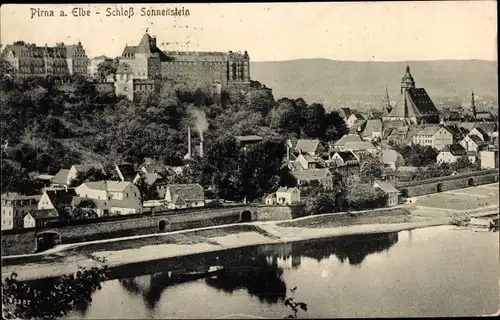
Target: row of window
(144, 87)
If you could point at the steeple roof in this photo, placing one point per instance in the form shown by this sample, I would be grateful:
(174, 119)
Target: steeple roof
(147, 45)
(408, 77)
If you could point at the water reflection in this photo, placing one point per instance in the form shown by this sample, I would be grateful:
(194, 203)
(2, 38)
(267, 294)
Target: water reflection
(258, 269)
(353, 249)
(260, 276)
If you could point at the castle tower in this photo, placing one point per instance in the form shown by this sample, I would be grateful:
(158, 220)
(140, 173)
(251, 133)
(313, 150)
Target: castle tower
(407, 82)
(473, 105)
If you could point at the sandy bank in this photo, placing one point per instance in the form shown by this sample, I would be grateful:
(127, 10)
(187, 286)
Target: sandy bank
(67, 263)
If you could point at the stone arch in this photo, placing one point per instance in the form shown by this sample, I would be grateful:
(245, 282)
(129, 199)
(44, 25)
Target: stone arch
(47, 239)
(246, 216)
(440, 187)
(163, 225)
(471, 182)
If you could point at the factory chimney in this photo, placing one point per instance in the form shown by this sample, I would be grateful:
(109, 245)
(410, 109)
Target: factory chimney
(201, 146)
(188, 155)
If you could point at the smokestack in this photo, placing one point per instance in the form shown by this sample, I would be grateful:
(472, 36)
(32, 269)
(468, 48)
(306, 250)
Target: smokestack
(189, 142)
(201, 148)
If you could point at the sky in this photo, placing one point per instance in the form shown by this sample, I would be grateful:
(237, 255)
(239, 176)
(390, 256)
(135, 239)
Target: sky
(370, 31)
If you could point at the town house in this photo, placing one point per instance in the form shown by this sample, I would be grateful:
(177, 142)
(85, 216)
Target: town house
(179, 196)
(433, 136)
(311, 147)
(40, 218)
(153, 180)
(392, 158)
(392, 193)
(80, 170)
(473, 143)
(114, 197)
(14, 207)
(353, 117)
(288, 196)
(58, 199)
(307, 161)
(61, 179)
(323, 176)
(372, 130)
(351, 142)
(126, 172)
(345, 162)
(451, 153)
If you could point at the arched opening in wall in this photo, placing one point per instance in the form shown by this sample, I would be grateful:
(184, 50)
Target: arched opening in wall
(47, 240)
(440, 187)
(163, 225)
(471, 182)
(404, 193)
(246, 216)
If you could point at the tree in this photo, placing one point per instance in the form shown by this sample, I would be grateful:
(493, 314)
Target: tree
(314, 124)
(284, 117)
(107, 67)
(371, 168)
(336, 127)
(319, 204)
(462, 163)
(361, 195)
(52, 298)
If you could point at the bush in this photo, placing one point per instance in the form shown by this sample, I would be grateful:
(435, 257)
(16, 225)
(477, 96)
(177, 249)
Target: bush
(51, 298)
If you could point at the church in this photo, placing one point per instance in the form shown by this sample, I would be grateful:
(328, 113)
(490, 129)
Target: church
(414, 105)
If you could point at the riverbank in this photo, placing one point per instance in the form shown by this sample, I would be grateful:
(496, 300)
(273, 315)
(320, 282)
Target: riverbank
(121, 252)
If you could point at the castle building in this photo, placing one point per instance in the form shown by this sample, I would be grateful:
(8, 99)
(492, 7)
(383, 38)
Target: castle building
(414, 106)
(57, 61)
(143, 65)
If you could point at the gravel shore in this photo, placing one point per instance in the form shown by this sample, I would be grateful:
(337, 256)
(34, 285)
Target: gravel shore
(126, 252)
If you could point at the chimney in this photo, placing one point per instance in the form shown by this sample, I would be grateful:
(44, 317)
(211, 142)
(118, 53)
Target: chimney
(189, 142)
(201, 148)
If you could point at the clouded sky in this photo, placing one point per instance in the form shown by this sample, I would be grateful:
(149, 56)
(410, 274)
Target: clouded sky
(397, 31)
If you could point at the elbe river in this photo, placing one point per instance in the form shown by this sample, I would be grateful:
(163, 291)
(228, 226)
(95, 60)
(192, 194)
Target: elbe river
(432, 272)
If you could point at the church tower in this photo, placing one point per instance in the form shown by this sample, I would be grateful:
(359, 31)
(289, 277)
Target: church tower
(473, 105)
(407, 82)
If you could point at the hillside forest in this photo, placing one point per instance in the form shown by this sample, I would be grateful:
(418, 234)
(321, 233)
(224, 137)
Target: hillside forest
(48, 125)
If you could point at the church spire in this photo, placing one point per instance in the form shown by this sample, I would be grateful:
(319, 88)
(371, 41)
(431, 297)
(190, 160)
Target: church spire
(387, 99)
(473, 105)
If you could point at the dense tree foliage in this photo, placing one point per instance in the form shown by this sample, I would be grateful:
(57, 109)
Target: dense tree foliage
(107, 67)
(417, 155)
(52, 124)
(50, 299)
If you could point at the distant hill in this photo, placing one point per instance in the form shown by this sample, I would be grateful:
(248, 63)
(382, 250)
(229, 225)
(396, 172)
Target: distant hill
(335, 83)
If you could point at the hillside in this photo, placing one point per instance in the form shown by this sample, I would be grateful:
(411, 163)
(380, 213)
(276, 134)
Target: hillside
(339, 82)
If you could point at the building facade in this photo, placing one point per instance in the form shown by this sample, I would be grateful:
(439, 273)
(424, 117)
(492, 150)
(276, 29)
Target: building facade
(58, 61)
(436, 137)
(114, 197)
(147, 62)
(14, 207)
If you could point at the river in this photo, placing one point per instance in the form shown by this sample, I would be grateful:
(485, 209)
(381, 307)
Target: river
(431, 272)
